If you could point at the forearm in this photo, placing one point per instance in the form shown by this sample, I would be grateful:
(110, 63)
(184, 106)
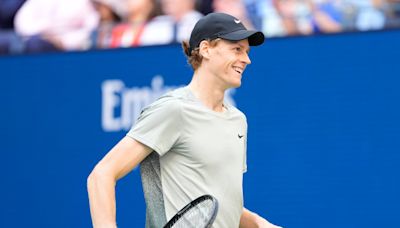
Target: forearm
(101, 190)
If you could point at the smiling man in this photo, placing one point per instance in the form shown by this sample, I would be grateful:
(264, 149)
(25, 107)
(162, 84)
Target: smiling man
(189, 142)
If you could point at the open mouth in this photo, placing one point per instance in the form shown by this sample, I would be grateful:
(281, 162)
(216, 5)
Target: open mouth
(238, 69)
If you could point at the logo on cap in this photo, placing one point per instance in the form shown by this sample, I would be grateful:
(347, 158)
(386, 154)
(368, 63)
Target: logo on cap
(237, 21)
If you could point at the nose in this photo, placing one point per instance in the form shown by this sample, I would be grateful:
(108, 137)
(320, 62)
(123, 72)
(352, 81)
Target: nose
(246, 58)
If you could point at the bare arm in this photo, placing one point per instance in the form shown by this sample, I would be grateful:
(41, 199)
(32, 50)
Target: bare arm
(121, 159)
(252, 220)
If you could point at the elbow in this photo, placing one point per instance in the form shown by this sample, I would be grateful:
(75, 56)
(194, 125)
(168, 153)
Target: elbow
(98, 176)
(91, 180)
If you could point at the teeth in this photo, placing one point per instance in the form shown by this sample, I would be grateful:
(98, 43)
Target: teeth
(238, 69)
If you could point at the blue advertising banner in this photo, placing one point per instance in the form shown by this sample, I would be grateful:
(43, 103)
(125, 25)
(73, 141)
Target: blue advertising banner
(323, 148)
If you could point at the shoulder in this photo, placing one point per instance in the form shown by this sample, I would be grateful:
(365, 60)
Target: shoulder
(230, 105)
(240, 114)
(236, 112)
(171, 102)
(173, 96)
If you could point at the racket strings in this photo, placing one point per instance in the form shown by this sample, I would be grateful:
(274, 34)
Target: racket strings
(196, 217)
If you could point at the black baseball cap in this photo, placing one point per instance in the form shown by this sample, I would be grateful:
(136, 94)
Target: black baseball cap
(225, 26)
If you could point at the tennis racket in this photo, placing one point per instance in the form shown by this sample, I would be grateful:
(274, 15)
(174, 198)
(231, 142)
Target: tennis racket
(200, 213)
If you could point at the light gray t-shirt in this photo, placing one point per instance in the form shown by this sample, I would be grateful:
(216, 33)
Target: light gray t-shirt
(197, 151)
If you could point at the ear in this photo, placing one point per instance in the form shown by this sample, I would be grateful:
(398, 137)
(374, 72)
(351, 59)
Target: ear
(204, 49)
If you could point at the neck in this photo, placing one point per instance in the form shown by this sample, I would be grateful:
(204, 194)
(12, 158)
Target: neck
(207, 91)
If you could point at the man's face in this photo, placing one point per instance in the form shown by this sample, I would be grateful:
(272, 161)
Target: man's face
(228, 60)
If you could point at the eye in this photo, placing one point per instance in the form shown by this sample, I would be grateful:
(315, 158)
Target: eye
(238, 49)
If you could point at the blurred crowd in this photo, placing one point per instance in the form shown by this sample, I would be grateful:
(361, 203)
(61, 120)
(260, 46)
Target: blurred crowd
(32, 26)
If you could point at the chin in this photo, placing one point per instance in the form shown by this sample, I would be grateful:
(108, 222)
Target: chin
(236, 84)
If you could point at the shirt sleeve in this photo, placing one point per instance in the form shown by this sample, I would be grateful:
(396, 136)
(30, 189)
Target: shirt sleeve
(158, 126)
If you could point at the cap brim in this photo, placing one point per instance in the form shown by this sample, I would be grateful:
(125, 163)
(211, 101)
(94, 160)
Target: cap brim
(255, 38)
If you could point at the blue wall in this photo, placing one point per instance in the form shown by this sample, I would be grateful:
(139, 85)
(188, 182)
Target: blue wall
(324, 133)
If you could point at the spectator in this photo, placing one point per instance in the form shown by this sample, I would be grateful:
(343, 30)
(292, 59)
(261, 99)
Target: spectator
(204, 6)
(136, 17)
(303, 17)
(295, 16)
(254, 12)
(175, 25)
(236, 8)
(370, 14)
(10, 43)
(8, 9)
(110, 12)
(271, 21)
(49, 25)
(393, 14)
(325, 16)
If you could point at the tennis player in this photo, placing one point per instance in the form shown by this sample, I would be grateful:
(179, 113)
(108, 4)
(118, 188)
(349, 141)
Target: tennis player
(189, 142)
